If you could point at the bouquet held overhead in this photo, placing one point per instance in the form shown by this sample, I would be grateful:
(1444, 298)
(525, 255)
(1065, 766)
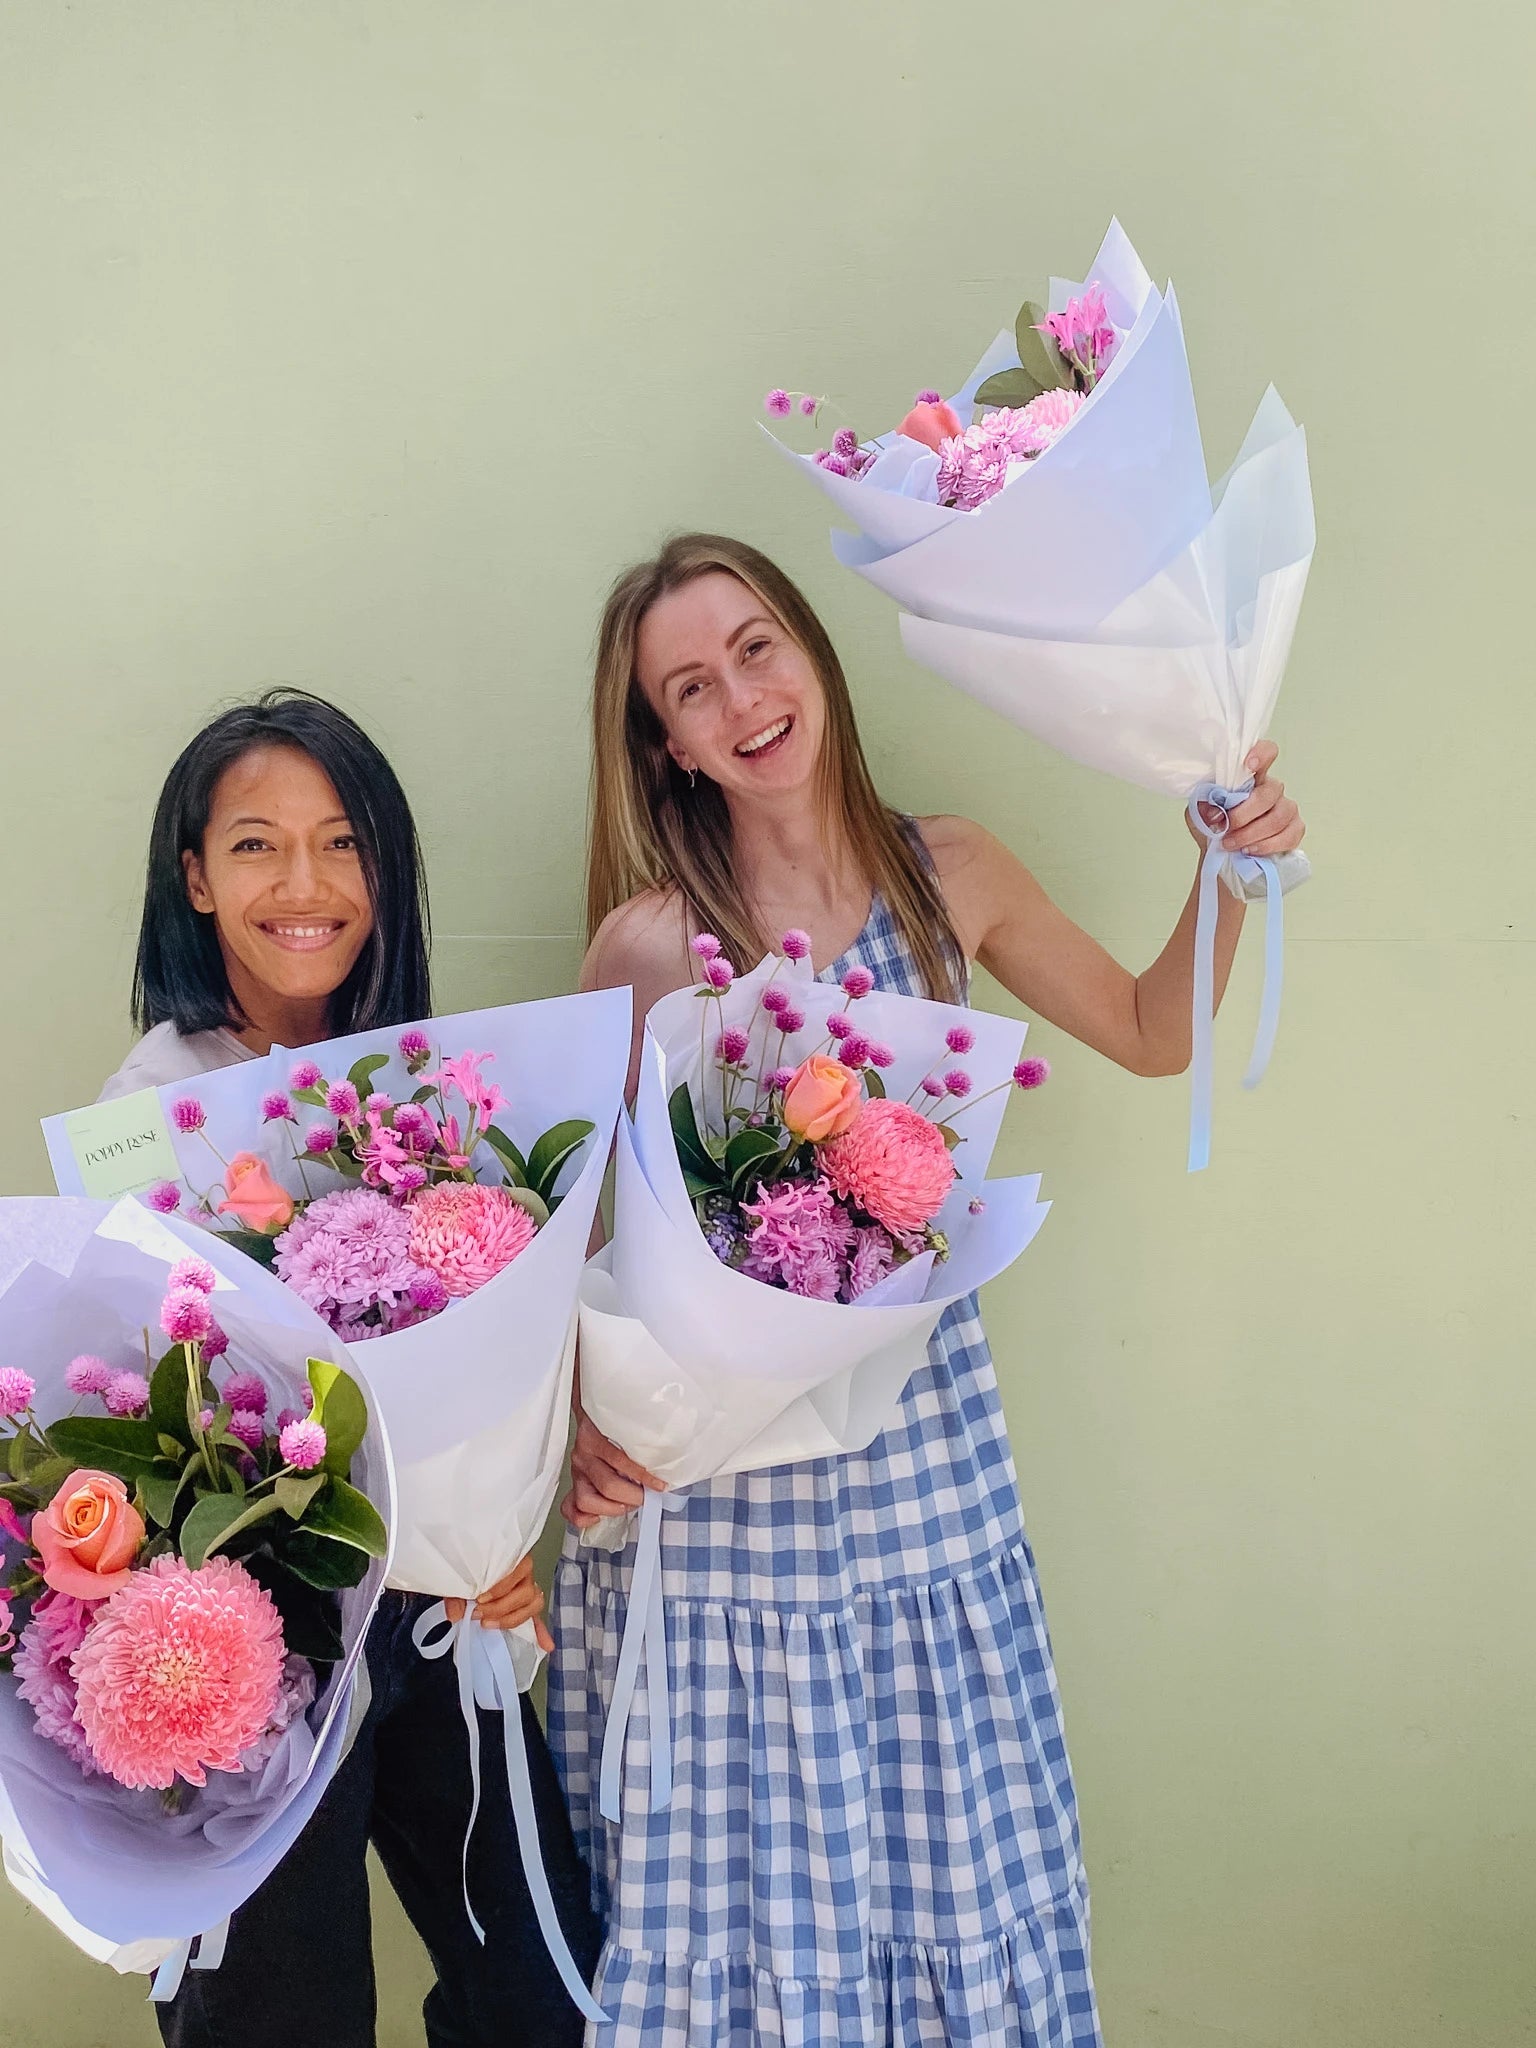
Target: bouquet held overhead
(1057, 551)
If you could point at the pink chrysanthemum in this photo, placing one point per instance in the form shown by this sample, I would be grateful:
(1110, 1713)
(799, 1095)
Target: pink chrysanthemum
(795, 944)
(44, 1679)
(185, 1315)
(1032, 1073)
(341, 1099)
(302, 1445)
(188, 1115)
(731, 1046)
(192, 1272)
(840, 1025)
(857, 982)
(893, 1163)
(216, 1343)
(706, 946)
(960, 1038)
(246, 1390)
(16, 1390)
(881, 1055)
(1049, 416)
(276, 1108)
(164, 1198)
(126, 1393)
(719, 973)
(246, 1427)
(467, 1233)
(957, 1082)
(775, 999)
(776, 403)
(973, 467)
(87, 1374)
(179, 1672)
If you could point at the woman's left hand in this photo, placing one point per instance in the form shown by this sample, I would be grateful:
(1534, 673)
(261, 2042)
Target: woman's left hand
(1267, 822)
(512, 1600)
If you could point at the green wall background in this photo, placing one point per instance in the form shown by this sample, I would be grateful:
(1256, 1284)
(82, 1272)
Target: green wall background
(360, 345)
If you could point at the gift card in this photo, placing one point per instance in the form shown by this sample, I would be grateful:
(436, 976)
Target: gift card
(121, 1147)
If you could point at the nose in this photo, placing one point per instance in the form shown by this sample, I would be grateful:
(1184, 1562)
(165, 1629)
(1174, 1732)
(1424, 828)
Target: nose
(300, 884)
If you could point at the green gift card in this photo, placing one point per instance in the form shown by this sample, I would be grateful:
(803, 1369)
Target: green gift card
(122, 1147)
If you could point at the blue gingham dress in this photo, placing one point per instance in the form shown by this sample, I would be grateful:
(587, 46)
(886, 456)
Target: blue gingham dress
(872, 1840)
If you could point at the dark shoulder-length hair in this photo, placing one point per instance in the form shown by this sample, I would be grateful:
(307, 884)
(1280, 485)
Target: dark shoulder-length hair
(179, 977)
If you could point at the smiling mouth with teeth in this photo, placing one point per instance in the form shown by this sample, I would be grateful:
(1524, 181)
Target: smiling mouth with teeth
(768, 741)
(302, 938)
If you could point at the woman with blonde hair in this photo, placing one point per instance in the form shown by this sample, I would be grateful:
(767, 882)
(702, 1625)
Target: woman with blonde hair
(872, 1837)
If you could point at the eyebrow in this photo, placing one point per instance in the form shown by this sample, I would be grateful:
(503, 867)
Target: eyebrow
(757, 619)
(341, 818)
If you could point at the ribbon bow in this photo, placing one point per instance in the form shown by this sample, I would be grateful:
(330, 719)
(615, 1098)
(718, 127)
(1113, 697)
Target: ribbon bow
(645, 1627)
(487, 1679)
(210, 1953)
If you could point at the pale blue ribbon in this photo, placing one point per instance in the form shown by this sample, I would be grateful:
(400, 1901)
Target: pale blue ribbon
(645, 1628)
(487, 1679)
(210, 1953)
(1247, 867)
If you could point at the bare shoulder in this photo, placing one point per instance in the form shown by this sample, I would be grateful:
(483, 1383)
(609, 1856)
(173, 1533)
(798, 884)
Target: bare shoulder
(643, 944)
(977, 874)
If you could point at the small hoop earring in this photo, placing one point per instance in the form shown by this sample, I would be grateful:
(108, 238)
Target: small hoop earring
(693, 778)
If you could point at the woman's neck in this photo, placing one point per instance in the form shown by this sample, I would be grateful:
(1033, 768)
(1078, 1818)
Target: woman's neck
(795, 872)
(274, 1019)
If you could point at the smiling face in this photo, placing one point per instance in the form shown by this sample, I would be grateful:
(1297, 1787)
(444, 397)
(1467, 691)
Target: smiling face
(740, 700)
(280, 874)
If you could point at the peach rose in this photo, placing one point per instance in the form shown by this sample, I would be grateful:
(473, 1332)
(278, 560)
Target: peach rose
(932, 425)
(822, 1099)
(88, 1536)
(254, 1197)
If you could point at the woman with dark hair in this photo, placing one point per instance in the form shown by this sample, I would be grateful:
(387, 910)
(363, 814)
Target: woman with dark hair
(872, 1837)
(285, 903)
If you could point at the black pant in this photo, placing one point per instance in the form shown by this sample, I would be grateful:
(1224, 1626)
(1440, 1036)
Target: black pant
(299, 1965)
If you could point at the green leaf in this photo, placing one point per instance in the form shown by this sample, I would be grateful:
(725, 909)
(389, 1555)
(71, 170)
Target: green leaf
(746, 1153)
(170, 1397)
(46, 1477)
(552, 1151)
(508, 1154)
(315, 1097)
(308, 1613)
(950, 1135)
(159, 1493)
(693, 1155)
(126, 1448)
(259, 1245)
(1040, 356)
(341, 1409)
(347, 1516)
(217, 1517)
(362, 1071)
(1009, 387)
(18, 1455)
(332, 1567)
(697, 1187)
(873, 1085)
(293, 1494)
(423, 1095)
(536, 1205)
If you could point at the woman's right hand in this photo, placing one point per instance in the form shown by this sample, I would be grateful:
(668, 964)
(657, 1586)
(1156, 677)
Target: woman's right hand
(604, 1481)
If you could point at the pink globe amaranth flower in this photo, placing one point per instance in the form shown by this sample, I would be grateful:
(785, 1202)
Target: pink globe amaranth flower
(216, 1343)
(776, 403)
(466, 1234)
(731, 1046)
(409, 1177)
(44, 1680)
(302, 1445)
(791, 1022)
(881, 1055)
(795, 944)
(775, 999)
(341, 1099)
(933, 1086)
(87, 1374)
(412, 1123)
(246, 1427)
(780, 1079)
(1032, 1073)
(126, 1393)
(276, 1108)
(808, 405)
(976, 1206)
(840, 1025)
(960, 1038)
(855, 1051)
(428, 1294)
(246, 1390)
(719, 973)
(284, 1417)
(414, 1046)
(164, 1198)
(929, 397)
(304, 1075)
(320, 1138)
(892, 1163)
(192, 1272)
(845, 442)
(188, 1115)
(379, 1104)
(706, 946)
(205, 1418)
(957, 1082)
(16, 1390)
(179, 1672)
(857, 983)
(185, 1315)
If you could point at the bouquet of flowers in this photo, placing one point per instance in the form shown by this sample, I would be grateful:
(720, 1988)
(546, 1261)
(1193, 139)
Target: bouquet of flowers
(193, 1545)
(1060, 556)
(391, 1184)
(789, 1226)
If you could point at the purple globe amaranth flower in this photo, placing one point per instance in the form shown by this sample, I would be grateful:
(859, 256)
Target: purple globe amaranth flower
(185, 1315)
(246, 1390)
(795, 944)
(302, 1445)
(840, 1025)
(304, 1075)
(854, 1051)
(188, 1115)
(16, 1390)
(881, 1055)
(957, 1082)
(126, 1393)
(87, 1374)
(276, 1108)
(791, 1022)
(381, 1104)
(320, 1138)
(409, 1178)
(929, 397)
(960, 1038)
(284, 1417)
(719, 973)
(413, 1123)
(706, 946)
(341, 1099)
(731, 1046)
(808, 405)
(775, 999)
(1032, 1073)
(845, 442)
(414, 1046)
(976, 1206)
(780, 1079)
(246, 1427)
(932, 1085)
(427, 1293)
(857, 982)
(216, 1343)
(776, 403)
(192, 1272)
(164, 1198)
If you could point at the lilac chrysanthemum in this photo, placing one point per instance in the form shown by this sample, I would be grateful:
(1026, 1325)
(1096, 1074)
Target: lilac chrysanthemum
(16, 1390)
(41, 1666)
(192, 1272)
(320, 1138)
(873, 1257)
(247, 1428)
(185, 1315)
(960, 1038)
(188, 1115)
(126, 1393)
(87, 1374)
(801, 1239)
(216, 1343)
(304, 1075)
(881, 1055)
(957, 1082)
(349, 1256)
(795, 944)
(427, 1293)
(302, 1445)
(776, 404)
(276, 1108)
(341, 1100)
(840, 1025)
(246, 1390)
(731, 1046)
(164, 1198)
(857, 982)
(1032, 1073)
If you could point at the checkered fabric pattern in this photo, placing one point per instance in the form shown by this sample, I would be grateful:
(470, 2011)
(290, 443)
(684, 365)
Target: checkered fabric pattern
(872, 1840)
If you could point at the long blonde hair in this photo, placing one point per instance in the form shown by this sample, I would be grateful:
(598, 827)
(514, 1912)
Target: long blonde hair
(651, 827)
